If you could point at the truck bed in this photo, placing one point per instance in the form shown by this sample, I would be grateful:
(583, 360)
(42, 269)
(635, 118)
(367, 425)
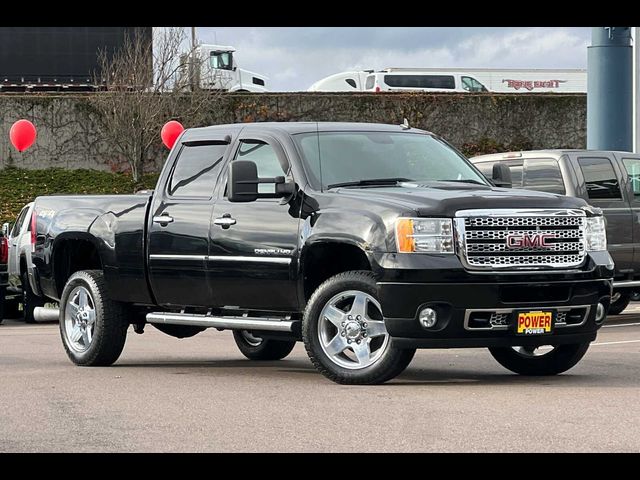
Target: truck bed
(113, 224)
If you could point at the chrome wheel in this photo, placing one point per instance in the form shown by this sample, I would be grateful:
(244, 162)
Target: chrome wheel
(531, 352)
(352, 331)
(250, 338)
(80, 319)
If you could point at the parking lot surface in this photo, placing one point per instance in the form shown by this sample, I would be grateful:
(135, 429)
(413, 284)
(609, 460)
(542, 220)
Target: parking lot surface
(200, 394)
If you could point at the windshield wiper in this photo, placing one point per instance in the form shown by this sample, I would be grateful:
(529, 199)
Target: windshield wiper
(370, 181)
(466, 180)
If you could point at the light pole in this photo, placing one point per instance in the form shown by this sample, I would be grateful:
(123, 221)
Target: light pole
(636, 89)
(610, 89)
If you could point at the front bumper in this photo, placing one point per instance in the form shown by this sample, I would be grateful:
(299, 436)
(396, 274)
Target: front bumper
(455, 293)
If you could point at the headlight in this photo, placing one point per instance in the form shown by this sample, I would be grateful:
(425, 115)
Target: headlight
(424, 235)
(595, 234)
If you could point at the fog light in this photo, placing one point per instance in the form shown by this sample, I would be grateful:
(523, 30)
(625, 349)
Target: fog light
(428, 317)
(600, 313)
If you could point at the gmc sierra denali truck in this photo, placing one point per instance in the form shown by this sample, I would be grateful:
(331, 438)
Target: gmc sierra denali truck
(364, 241)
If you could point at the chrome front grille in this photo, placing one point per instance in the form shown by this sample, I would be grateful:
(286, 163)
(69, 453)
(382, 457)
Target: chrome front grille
(521, 239)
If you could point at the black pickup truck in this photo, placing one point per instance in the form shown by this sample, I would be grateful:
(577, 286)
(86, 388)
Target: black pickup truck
(365, 241)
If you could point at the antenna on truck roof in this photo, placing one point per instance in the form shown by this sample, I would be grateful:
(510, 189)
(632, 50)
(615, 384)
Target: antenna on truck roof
(405, 125)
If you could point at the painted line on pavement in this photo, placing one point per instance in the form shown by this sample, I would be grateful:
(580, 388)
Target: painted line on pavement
(616, 343)
(621, 325)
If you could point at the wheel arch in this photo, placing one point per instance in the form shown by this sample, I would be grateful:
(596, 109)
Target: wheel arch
(324, 258)
(72, 252)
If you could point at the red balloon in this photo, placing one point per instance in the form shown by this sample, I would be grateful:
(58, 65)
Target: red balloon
(22, 134)
(170, 133)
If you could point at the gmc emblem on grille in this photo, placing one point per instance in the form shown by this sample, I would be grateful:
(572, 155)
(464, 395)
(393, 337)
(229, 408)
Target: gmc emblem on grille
(539, 240)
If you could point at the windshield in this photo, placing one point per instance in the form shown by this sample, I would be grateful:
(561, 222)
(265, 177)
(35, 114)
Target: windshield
(342, 157)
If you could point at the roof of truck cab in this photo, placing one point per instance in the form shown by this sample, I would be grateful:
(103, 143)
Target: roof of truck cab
(555, 153)
(291, 128)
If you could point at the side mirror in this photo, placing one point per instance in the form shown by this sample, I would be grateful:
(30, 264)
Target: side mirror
(243, 183)
(6, 227)
(501, 175)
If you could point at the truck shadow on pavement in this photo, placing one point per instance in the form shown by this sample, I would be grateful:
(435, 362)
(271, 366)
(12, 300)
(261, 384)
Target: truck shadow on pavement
(474, 378)
(411, 377)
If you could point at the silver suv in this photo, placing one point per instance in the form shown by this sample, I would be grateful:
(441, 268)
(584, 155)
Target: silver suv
(20, 289)
(606, 179)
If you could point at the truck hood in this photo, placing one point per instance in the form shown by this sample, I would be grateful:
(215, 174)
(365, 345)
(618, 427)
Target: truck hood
(444, 199)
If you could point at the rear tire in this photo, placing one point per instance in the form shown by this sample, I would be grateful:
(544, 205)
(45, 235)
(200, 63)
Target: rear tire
(620, 304)
(257, 348)
(29, 299)
(344, 332)
(92, 326)
(11, 309)
(525, 361)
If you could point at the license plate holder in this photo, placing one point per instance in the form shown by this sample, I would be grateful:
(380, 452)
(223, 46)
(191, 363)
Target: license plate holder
(535, 322)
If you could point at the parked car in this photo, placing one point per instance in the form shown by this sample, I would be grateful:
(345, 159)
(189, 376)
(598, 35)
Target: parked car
(608, 180)
(19, 289)
(4, 280)
(364, 241)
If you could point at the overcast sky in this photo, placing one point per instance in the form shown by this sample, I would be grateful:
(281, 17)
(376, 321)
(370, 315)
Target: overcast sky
(294, 58)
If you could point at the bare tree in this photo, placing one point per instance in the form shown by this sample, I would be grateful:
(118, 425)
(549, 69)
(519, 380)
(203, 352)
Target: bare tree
(146, 83)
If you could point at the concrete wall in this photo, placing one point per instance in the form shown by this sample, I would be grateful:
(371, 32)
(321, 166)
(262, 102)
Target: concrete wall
(69, 133)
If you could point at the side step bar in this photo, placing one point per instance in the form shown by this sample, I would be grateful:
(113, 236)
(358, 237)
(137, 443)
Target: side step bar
(626, 284)
(232, 323)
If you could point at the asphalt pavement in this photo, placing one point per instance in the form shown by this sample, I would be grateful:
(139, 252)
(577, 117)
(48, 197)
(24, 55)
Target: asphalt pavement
(200, 394)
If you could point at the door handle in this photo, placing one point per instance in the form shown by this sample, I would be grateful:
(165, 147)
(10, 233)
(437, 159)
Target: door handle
(163, 219)
(225, 221)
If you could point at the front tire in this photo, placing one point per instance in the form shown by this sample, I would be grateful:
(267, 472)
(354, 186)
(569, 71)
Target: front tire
(345, 335)
(92, 326)
(257, 348)
(538, 362)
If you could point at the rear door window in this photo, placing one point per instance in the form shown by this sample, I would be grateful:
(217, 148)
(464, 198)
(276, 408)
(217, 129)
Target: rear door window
(600, 178)
(421, 81)
(197, 170)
